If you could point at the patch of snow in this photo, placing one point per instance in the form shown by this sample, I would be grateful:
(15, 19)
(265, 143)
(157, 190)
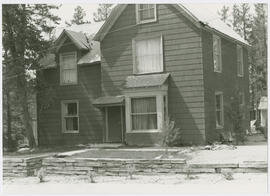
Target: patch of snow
(70, 153)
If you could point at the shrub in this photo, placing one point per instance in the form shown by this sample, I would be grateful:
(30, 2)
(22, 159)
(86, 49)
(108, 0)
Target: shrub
(171, 135)
(91, 176)
(235, 112)
(131, 171)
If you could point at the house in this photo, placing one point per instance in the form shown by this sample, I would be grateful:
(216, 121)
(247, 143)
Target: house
(157, 62)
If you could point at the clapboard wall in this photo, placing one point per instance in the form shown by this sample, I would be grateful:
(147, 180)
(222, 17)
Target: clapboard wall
(182, 50)
(87, 89)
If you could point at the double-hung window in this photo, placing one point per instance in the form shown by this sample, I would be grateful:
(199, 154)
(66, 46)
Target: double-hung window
(217, 54)
(240, 64)
(241, 99)
(148, 55)
(146, 13)
(144, 113)
(68, 68)
(70, 116)
(219, 109)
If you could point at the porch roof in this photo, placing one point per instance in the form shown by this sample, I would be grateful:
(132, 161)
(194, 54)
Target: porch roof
(109, 100)
(146, 80)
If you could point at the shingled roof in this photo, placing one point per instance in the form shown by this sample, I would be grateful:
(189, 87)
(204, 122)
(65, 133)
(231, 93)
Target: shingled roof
(78, 38)
(109, 100)
(81, 36)
(146, 80)
(201, 18)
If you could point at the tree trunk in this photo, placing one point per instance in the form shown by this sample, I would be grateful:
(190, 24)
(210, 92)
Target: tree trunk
(22, 85)
(11, 145)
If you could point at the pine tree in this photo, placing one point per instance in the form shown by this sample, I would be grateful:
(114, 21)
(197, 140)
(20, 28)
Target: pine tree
(224, 14)
(78, 16)
(103, 12)
(242, 20)
(24, 43)
(259, 53)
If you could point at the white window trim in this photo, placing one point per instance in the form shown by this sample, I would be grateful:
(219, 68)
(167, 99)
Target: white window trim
(222, 110)
(63, 116)
(219, 48)
(60, 59)
(241, 61)
(138, 21)
(242, 94)
(134, 52)
(160, 110)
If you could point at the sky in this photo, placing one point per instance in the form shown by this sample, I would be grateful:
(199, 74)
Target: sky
(66, 10)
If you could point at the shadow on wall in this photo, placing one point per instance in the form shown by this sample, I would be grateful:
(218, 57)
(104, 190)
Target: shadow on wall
(191, 123)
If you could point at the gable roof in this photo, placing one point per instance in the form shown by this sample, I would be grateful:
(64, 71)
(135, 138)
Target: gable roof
(78, 38)
(194, 12)
(82, 38)
(200, 12)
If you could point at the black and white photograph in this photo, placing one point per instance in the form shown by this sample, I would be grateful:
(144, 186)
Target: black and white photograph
(141, 97)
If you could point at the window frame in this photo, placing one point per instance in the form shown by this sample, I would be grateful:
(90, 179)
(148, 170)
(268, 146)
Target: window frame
(242, 101)
(62, 83)
(219, 93)
(215, 37)
(241, 62)
(63, 116)
(159, 104)
(131, 114)
(139, 21)
(134, 54)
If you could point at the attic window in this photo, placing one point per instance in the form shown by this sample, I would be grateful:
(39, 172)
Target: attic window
(68, 68)
(146, 13)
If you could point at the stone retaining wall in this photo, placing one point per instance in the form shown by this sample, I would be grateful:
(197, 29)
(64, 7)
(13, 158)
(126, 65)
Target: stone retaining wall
(21, 166)
(13, 167)
(81, 166)
(112, 166)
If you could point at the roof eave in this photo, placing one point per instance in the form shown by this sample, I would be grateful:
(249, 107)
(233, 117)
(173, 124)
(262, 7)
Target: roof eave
(109, 23)
(64, 32)
(225, 35)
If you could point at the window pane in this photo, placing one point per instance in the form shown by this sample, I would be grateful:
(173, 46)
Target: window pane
(143, 105)
(68, 68)
(69, 76)
(144, 114)
(239, 60)
(71, 123)
(218, 102)
(146, 11)
(218, 118)
(144, 122)
(68, 61)
(216, 54)
(72, 109)
(148, 56)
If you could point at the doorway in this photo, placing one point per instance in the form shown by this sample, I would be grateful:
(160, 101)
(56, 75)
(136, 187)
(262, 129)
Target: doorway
(114, 124)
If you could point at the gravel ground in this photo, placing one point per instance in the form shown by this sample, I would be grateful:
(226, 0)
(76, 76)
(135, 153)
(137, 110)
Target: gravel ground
(163, 184)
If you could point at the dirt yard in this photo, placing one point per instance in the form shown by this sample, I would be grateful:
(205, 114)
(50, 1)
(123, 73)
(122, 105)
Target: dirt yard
(162, 184)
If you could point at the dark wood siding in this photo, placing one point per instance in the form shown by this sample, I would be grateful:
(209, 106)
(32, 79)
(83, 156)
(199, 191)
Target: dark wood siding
(90, 118)
(182, 52)
(227, 82)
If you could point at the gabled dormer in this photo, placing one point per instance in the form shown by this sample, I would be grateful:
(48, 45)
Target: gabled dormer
(70, 47)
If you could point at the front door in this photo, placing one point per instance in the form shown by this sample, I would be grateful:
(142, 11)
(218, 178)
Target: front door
(114, 124)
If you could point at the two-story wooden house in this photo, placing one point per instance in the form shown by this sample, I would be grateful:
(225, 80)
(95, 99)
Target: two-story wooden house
(158, 62)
